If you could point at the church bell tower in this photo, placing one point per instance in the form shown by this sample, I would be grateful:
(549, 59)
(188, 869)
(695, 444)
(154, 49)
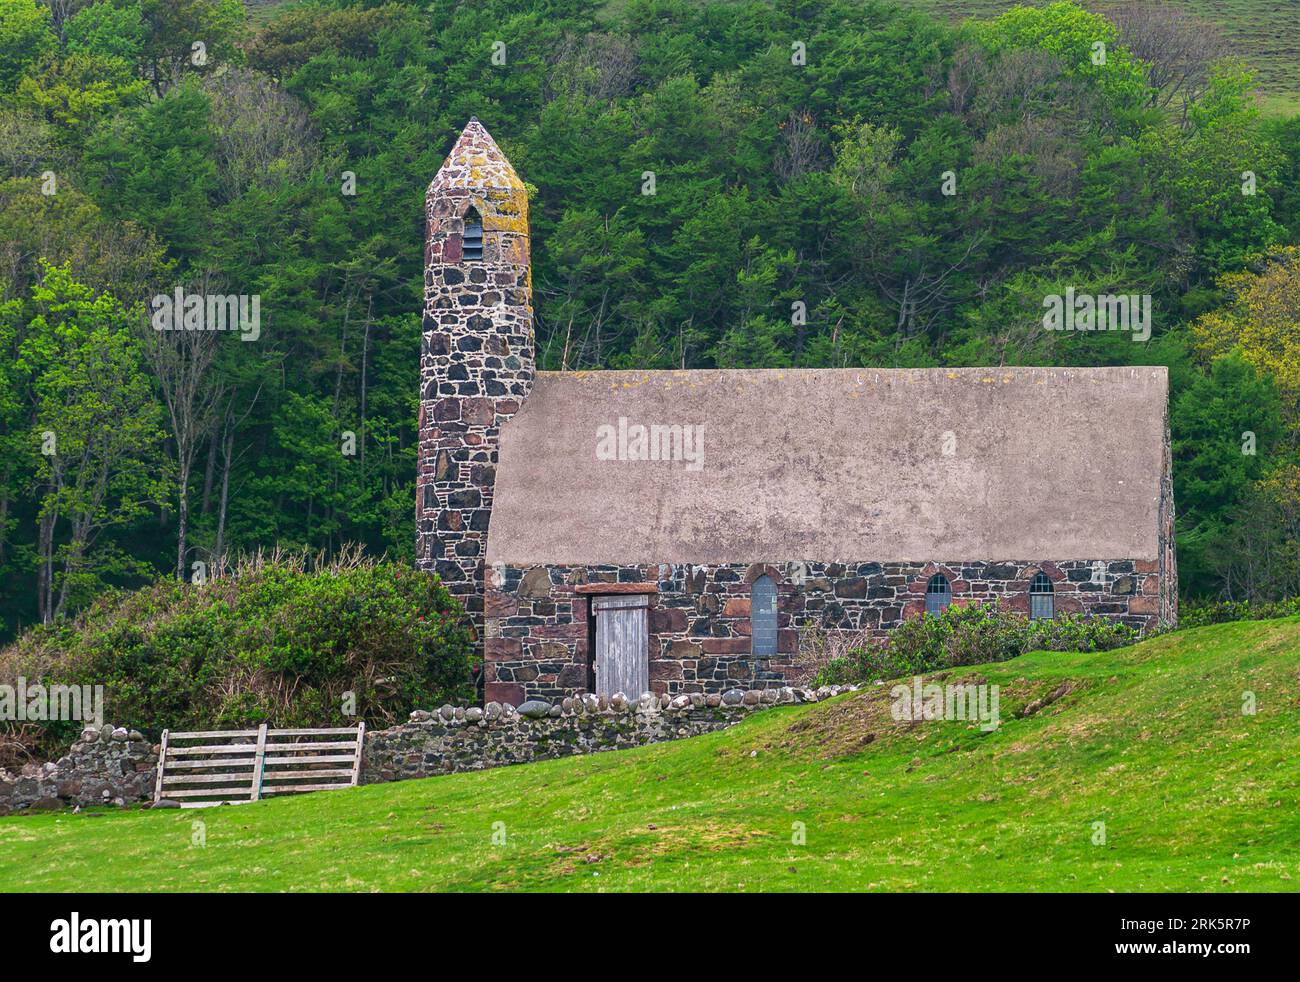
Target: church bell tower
(477, 355)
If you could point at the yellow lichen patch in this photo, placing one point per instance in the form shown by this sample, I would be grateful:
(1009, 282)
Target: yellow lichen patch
(517, 224)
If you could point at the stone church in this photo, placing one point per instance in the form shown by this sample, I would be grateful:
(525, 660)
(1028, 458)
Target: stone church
(674, 530)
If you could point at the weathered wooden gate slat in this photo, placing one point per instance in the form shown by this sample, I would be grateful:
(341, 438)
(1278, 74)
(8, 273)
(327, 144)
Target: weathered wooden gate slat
(318, 759)
(301, 775)
(194, 763)
(256, 766)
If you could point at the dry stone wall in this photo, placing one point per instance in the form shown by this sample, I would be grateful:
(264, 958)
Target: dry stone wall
(116, 766)
(110, 765)
(458, 739)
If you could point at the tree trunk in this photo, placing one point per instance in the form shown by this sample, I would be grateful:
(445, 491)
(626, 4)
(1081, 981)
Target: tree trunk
(211, 469)
(227, 459)
(4, 512)
(45, 575)
(182, 518)
(365, 359)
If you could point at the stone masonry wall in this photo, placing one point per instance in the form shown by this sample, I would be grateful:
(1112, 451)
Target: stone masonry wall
(106, 766)
(476, 362)
(537, 644)
(457, 739)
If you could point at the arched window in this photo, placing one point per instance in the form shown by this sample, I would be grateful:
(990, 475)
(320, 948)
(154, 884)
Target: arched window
(938, 594)
(1040, 598)
(472, 241)
(762, 616)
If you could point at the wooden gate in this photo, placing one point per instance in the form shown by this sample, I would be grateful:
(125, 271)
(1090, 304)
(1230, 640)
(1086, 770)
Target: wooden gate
(200, 768)
(622, 644)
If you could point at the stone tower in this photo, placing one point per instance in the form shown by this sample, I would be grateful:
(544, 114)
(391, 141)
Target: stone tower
(476, 361)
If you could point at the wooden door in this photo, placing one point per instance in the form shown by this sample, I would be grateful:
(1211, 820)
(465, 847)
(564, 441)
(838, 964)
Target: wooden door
(622, 645)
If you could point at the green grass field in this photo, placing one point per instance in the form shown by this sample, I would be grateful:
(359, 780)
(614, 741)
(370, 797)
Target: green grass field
(1150, 740)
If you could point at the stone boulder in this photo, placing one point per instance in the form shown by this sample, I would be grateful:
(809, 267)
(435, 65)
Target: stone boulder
(535, 709)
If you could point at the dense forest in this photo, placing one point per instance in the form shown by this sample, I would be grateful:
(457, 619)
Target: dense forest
(756, 184)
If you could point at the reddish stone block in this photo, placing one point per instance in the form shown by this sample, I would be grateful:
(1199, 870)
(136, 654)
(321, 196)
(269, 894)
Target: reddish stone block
(478, 412)
(787, 642)
(683, 650)
(736, 607)
(617, 588)
(1151, 585)
(1144, 605)
(1146, 565)
(667, 620)
(507, 692)
(913, 608)
(446, 410)
(502, 649)
(757, 570)
(549, 651)
(499, 604)
(725, 646)
(564, 632)
(662, 671)
(572, 677)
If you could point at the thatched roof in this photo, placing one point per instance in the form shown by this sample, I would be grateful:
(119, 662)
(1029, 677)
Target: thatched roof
(826, 465)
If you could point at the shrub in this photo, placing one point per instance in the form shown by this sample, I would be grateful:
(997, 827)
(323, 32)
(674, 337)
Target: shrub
(827, 657)
(970, 635)
(840, 670)
(1199, 613)
(280, 640)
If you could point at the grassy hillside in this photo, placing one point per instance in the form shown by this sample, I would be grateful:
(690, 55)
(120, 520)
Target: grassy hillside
(1151, 740)
(261, 11)
(1265, 34)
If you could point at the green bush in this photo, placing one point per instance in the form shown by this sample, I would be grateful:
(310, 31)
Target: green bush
(1199, 613)
(276, 641)
(971, 635)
